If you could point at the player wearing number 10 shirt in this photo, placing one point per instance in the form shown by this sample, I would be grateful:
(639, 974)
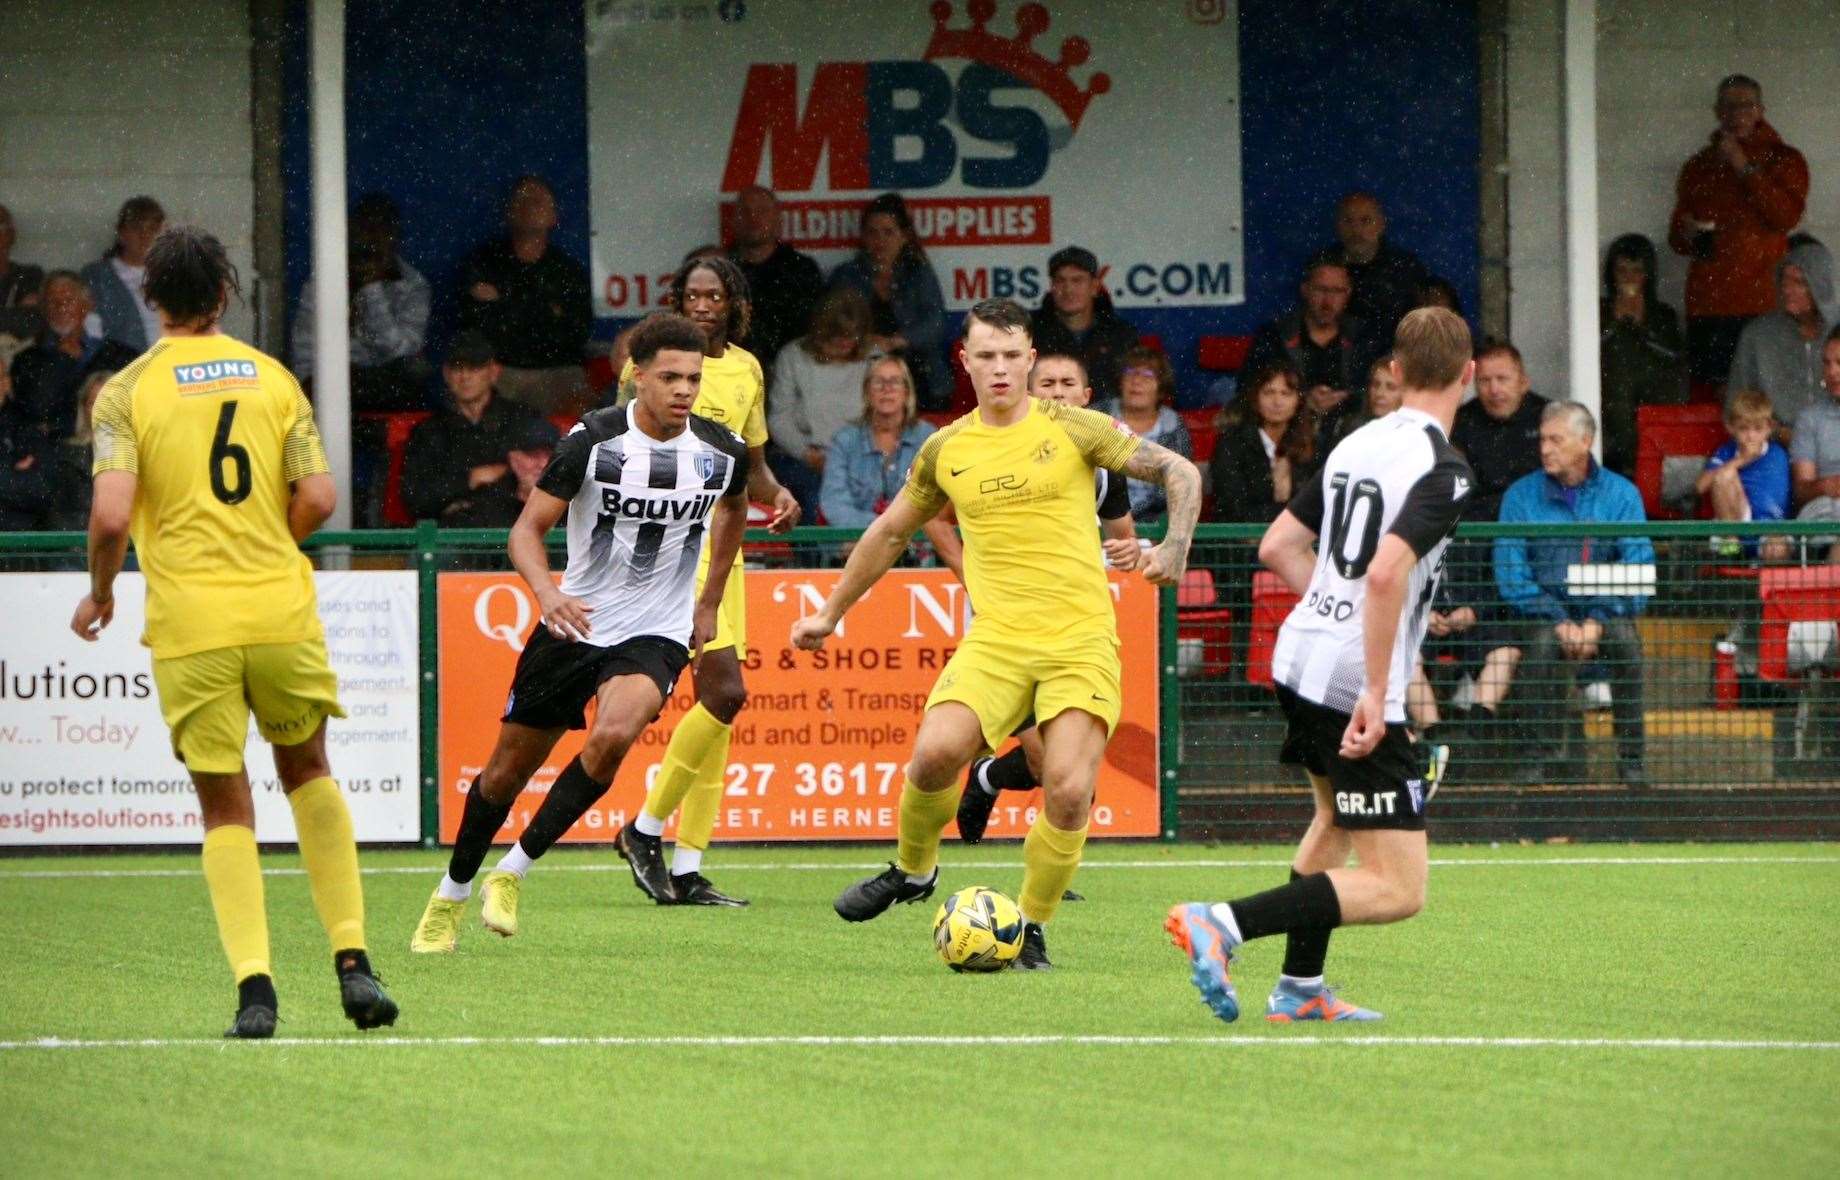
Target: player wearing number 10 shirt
(1384, 506)
(207, 455)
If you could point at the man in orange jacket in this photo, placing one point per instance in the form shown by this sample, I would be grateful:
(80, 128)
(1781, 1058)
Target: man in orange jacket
(1735, 203)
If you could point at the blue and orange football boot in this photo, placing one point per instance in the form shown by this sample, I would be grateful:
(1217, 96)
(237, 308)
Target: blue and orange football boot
(1209, 946)
(1288, 1006)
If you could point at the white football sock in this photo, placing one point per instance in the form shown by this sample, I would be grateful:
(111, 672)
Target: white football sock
(515, 861)
(452, 890)
(1223, 913)
(685, 860)
(648, 825)
(1296, 983)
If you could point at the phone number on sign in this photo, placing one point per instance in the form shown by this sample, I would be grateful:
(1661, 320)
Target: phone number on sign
(831, 779)
(642, 291)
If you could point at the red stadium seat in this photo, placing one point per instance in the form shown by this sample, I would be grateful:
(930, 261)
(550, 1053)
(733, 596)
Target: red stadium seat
(1224, 354)
(1151, 341)
(396, 430)
(599, 370)
(1792, 595)
(1671, 432)
(1272, 600)
(1200, 619)
(1201, 431)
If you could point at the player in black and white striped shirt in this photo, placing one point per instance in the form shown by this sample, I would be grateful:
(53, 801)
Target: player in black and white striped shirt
(1384, 505)
(640, 485)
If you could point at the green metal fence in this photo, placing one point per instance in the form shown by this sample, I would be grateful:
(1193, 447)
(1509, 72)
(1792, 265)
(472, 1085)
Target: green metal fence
(1698, 702)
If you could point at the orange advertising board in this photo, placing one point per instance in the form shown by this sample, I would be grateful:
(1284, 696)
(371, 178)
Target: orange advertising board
(818, 753)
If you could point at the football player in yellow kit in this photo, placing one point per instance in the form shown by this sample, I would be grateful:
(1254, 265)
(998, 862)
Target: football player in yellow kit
(1019, 472)
(208, 457)
(712, 292)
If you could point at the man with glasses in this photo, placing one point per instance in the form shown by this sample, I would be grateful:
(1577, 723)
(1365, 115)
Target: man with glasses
(1320, 338)
(1735, 203)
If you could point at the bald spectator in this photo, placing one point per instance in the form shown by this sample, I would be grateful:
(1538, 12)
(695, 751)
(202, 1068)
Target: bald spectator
(1735, 202)
(1385, 279)
(1321, 339)
(115, 279)
(1499, 431)
(48, 375)
(19, 282)
(1077, 319)
(783, 285)
(531, 300)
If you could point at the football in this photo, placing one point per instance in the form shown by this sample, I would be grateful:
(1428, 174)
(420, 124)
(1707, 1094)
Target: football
(978, 929)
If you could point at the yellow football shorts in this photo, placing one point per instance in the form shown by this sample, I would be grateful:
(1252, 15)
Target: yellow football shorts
(731, 617)
(207, 697)
(1005, 678)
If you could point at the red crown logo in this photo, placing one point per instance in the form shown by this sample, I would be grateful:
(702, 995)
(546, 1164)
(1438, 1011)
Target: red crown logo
(1013, 56)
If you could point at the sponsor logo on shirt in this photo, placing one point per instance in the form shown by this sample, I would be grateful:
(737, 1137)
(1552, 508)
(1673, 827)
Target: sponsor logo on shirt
(215, 377)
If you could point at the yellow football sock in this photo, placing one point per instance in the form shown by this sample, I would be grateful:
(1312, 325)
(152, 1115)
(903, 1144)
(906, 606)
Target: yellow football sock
(331, 857)
(234, 878)
(924, 816)
(1049, 858)
(691, 749)
(696, 822)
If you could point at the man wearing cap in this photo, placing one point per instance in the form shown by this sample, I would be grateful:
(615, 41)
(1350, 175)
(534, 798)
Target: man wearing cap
(1077, 319)
(461, 466)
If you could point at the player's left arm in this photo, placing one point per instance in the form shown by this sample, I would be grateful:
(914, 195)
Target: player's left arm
(726, 525)
(764, 488)
(111, 510)
(312, 494)
(1181, 483)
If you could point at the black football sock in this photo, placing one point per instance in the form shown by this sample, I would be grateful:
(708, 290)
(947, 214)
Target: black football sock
(569, 799)
(257, 989)
(1305, 948)
(1308, 903)
(479, 822)
(1010, 772)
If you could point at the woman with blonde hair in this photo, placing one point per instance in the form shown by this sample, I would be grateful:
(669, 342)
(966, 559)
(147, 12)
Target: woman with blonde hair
(817, 390)
(868, 459)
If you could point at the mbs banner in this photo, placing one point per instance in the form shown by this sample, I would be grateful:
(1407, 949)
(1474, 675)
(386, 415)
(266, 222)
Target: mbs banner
(818, 753)
(1011, 129)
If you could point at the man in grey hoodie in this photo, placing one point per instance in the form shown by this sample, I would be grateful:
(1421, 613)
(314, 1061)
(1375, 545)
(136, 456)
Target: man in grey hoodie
(1780, 353)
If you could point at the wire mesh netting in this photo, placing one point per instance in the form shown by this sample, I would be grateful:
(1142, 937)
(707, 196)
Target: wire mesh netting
(1660, 682)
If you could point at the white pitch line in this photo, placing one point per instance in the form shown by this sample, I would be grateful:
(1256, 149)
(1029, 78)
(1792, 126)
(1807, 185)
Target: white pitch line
(767, 1042)
(843, 866)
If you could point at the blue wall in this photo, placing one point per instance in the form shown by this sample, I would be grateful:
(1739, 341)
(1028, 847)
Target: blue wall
(447, 103)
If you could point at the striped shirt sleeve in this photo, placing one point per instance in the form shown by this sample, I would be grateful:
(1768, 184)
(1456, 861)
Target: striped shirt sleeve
(1096, 436)
(302, 453)
(923, 477)
(113, 421)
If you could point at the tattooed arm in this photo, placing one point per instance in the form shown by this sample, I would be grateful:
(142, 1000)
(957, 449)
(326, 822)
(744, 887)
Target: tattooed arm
(1181, 483)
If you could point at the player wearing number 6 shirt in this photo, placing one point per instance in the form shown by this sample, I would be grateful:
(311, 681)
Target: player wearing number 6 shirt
(1385, 504)
(1019, 472)
(207, 456)
(642, 485)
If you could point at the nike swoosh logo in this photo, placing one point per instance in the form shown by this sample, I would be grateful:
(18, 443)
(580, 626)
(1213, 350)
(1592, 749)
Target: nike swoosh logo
(958, 471)
(1100, 699)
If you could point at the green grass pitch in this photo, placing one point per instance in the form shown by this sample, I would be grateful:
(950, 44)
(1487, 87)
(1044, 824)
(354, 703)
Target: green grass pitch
(1534, 1019)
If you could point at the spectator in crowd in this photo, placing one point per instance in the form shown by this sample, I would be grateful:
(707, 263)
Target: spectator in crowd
(530, 453)
(71, 461)
(25, 465)
(1780, 352)
(1146, 395)
(783, 284)
(19, 281)
(48, 375)
(1641, 353)
(1561, 624)
(1266, 446)
(115, 279)
(1384, 395)
(1077, 319)
(1385, 279)
(531, 300)
(389, 316)
(1735, 201)
(1320, 339)
(1815, 453)
(1499, 431)
(817, 389)
(867, 461)
(1748, 477)
(1438, 291)
(891, 271)
(458, 469)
